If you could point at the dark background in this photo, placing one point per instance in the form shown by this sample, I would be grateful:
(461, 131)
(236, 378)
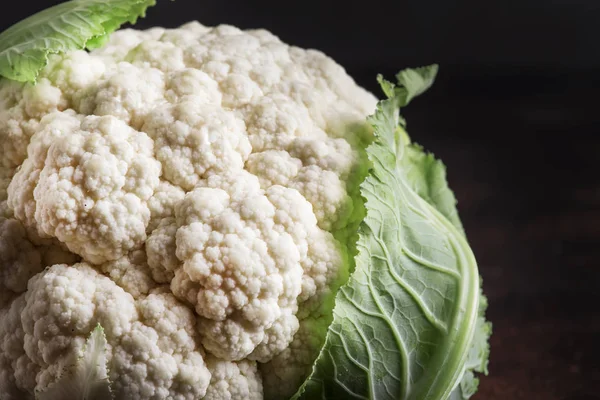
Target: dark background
(514, 117)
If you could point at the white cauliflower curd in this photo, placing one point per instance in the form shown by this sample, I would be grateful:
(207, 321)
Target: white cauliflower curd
(194, 191)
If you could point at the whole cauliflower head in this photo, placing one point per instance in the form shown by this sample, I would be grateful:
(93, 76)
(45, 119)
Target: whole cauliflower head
(195, 192)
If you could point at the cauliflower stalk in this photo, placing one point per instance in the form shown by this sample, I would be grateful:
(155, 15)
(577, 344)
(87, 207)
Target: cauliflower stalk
(182, 216)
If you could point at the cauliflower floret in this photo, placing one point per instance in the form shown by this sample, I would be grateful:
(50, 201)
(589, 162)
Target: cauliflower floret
(160, 358)
(73, 72)
(273, 167)
(243, 257)
(93, 189)
(317, 168)
(239, 90)
(123, 41)
(274, 121)
(70, 301)
(21, 108)
(186, 36)
(324, 84)
(324, 269)
(20, 191)
(327, 194)
(222, 50)
(11, 95)
(194, 139)
(335, 155)
(162, 204)
(153, 351)
(132, 273)
(277, 337)
(16, 127)
(233, 380)
(194, 83)
(127, 92)
(157, 54)
(42, 98)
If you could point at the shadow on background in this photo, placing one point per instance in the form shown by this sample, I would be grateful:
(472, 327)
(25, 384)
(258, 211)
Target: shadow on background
(583, 397)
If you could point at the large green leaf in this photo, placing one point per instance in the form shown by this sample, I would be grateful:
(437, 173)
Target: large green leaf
(404, 323)
(77, 24)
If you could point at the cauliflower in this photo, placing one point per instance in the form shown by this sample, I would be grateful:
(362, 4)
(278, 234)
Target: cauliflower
(202, 185)
(206, 212)
(87, 184)
(233, 380)
(153, 345)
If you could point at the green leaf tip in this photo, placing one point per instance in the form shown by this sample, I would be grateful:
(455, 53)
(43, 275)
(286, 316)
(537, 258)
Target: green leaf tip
(73, 25)
(411, 83)
(88, 378)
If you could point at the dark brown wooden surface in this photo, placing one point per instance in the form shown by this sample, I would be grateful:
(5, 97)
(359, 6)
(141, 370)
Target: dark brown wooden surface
(523, 151)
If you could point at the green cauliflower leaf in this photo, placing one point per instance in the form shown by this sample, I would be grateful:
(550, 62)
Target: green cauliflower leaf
(73, 25)
(405, 323)
(88, 378)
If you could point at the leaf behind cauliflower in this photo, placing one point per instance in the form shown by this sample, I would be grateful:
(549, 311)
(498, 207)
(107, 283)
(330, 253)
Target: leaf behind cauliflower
(89, 378)
(477, 361)
(404, 323)
(427, 176)
(73, 25)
